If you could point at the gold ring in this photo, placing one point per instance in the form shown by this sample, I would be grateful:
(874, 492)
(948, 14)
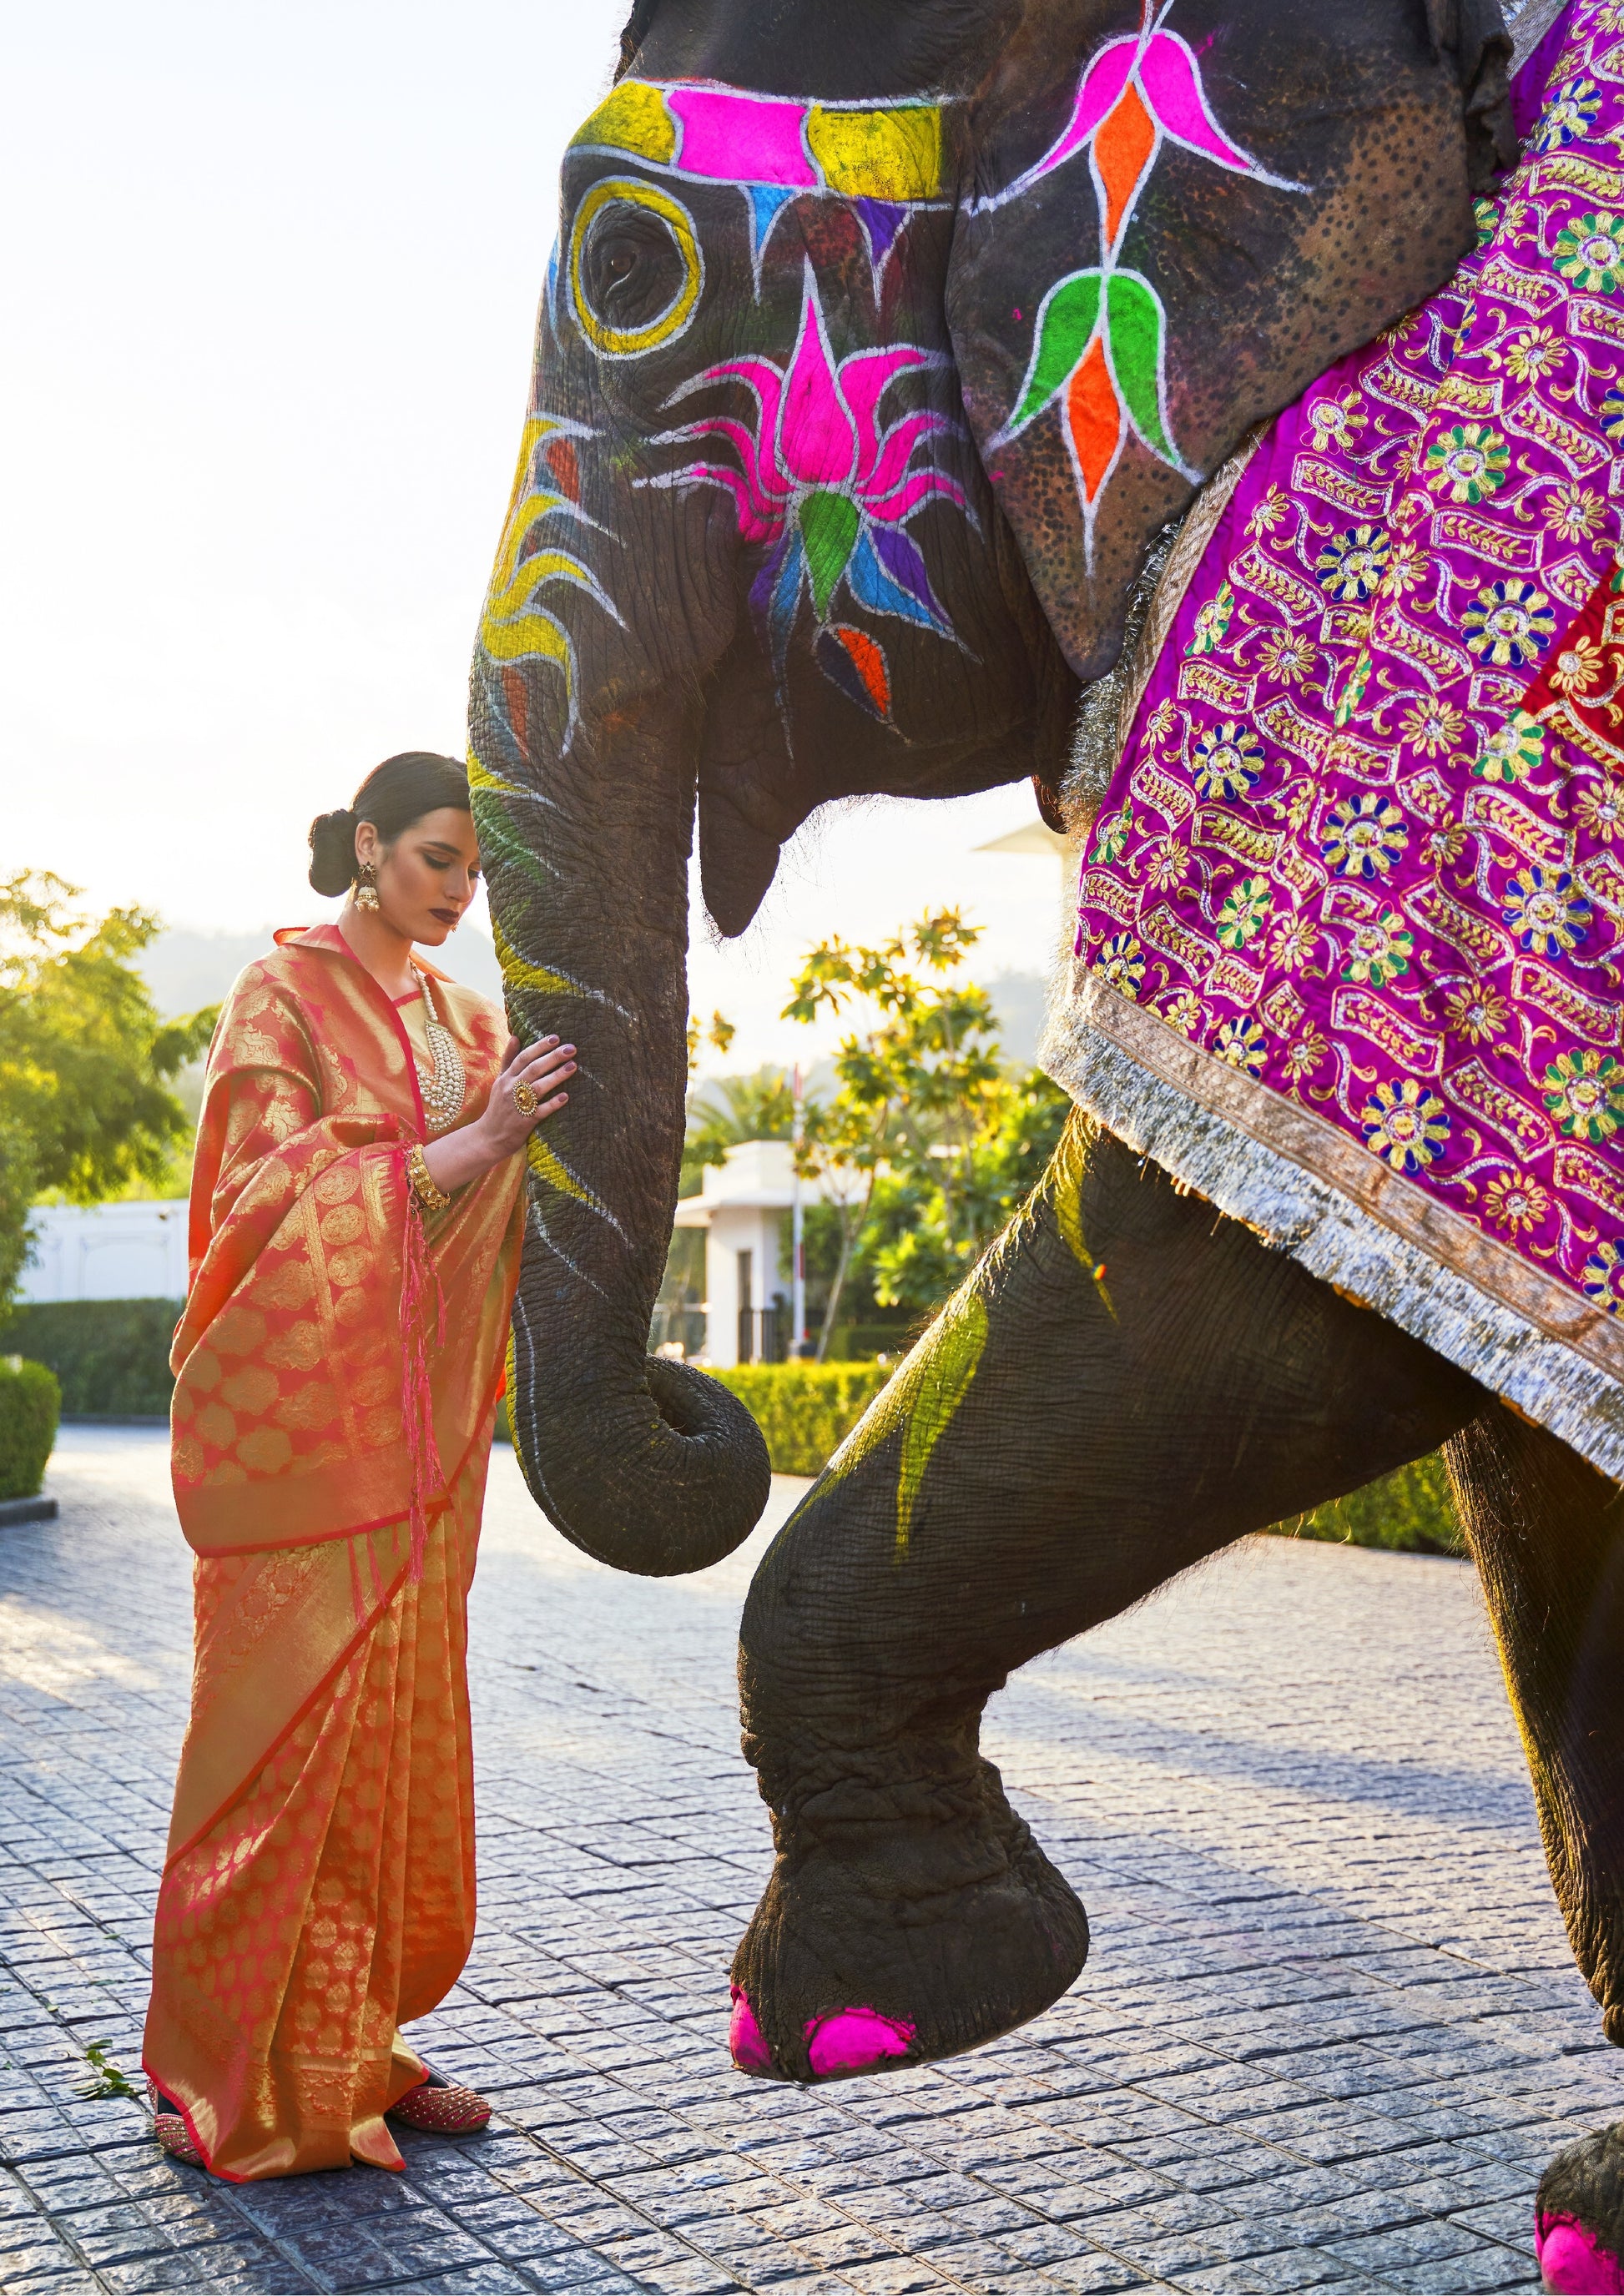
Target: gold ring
(525, 1100)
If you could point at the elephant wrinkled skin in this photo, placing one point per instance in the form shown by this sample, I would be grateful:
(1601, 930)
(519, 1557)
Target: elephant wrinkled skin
(881, 343)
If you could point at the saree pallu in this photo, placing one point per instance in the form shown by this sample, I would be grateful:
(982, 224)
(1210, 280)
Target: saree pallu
(337, 1369)
(1351, 952)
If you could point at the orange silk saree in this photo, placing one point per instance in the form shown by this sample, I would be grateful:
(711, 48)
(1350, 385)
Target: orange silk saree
(337, 1371)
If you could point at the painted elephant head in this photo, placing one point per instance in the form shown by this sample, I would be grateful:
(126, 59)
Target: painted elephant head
(881, 339)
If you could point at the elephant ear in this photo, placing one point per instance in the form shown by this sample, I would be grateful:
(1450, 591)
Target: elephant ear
(1166, 242)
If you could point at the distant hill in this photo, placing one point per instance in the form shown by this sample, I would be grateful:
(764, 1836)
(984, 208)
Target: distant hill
(184, 970)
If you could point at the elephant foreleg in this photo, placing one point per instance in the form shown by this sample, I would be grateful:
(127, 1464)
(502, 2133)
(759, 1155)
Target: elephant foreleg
(1127, 1383)
(1548, 1535)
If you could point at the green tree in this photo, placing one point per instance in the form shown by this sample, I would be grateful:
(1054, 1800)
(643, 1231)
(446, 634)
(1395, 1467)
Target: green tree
(85, 1063)
(928, 1142)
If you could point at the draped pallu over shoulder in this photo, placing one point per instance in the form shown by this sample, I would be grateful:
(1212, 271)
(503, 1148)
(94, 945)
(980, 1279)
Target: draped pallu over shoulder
(337, 1369)
(288, 1396)
(317, 1285)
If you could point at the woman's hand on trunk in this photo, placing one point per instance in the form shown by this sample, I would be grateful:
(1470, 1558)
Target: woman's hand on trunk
(502, 1131)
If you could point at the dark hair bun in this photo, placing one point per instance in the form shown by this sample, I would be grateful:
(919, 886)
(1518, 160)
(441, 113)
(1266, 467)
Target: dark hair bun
(394, 795)
(332, 851)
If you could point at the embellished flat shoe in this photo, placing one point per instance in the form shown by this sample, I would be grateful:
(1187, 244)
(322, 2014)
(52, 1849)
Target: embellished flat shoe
(170, 2129)
(443, 2107)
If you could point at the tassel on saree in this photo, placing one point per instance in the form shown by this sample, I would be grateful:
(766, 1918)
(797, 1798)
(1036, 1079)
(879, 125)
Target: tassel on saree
(417, 1274)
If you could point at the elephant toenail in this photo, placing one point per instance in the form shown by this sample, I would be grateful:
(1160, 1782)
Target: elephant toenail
(750, 2053)
(1572, 2261)
(854, 2041)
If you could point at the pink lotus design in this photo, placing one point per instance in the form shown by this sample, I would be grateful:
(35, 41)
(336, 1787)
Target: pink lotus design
(1136, 91)
(829, 489)
(1099, 350)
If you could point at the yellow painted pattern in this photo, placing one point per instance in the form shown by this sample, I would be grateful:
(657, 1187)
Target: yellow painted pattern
(896, 154)
(553, 1173)
(508, 632)
(481, 777)
(631, 342)
(518, 974)
(632, 118)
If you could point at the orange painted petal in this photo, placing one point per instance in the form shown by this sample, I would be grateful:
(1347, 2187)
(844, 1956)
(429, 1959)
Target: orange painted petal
(1122, 147)
(1094, 416)
(869, 663)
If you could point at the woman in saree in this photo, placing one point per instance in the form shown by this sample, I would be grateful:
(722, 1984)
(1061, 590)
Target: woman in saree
(355, 1230)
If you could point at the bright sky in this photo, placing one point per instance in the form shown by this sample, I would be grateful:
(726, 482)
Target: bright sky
(270, 273)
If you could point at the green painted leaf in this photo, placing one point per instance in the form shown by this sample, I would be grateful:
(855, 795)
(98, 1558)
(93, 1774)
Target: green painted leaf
(1065, 326)
(829, 524)
(1064, 1183)
(1136, 328)
(951, 1350)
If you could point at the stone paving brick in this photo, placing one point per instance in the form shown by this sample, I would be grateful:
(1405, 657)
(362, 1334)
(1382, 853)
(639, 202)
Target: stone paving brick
(1329, 2035)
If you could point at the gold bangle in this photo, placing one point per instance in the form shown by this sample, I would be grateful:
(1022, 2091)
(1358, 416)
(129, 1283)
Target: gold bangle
(432, 1199)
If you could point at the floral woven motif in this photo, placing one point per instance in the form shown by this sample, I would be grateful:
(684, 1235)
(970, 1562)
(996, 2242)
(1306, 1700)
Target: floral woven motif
(1356, 894)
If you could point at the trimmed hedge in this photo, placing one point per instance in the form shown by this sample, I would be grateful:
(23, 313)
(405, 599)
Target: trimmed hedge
(30, 1403)
(804, 1409)
(112, 1357)
(1410, 1511)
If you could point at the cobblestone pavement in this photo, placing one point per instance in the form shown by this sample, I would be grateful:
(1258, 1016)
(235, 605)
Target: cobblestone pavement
(1328, 2035)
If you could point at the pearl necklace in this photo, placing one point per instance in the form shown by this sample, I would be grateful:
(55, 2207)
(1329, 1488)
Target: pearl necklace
(445, 1087)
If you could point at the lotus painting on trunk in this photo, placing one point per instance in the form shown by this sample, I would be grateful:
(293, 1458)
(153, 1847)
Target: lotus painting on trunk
(828, 488)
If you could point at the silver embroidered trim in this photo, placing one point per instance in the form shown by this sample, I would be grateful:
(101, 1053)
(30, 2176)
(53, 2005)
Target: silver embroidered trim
(1333, 1239)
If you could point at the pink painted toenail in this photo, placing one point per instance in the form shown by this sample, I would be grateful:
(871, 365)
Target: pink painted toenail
(854, 2041)
(750, 2053)
(1574, 2263)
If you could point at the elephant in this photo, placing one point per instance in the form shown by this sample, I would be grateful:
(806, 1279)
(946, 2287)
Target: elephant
(882, 352)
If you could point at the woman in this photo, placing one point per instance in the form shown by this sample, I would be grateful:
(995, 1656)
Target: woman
(355, 1222)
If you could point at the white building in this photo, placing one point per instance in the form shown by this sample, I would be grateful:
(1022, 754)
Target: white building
(744, 1206)
(106, 1251)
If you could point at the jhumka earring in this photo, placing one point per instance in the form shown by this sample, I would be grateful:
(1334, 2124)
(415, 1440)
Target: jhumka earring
(366, 886)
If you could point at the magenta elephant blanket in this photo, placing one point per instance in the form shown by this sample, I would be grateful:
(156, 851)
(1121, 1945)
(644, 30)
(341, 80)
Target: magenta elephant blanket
(1351, 960)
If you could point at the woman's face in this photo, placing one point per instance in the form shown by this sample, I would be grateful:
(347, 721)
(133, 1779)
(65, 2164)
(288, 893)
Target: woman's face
(427, 877)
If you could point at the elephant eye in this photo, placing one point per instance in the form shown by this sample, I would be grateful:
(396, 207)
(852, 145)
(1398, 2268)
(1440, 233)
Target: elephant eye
(636, 270)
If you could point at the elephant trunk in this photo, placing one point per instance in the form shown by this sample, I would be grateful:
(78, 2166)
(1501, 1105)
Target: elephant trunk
(646, 1464)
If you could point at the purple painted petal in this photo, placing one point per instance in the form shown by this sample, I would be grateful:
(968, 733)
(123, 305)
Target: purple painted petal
(1171, 79)
(898, 445)
(882, 220)
(817, 442)
(899, 554)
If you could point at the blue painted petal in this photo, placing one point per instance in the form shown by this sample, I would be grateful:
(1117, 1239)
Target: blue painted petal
(899, 554)
(767, 203)
(551, 292)
(783, 598)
